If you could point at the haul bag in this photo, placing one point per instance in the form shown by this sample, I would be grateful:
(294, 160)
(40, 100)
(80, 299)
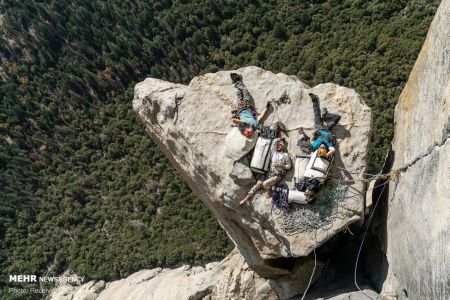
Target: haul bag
(261, 155)
(297, 197)
(317, 167)
(301, 163)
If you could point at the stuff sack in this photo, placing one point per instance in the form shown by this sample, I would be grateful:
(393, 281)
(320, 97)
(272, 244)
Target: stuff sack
(297, 197)
(301, 163)
(261, 156)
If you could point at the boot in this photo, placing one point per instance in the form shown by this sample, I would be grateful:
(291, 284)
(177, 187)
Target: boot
(309, 196)
(324, 113)
(235, 77)
(314, 97)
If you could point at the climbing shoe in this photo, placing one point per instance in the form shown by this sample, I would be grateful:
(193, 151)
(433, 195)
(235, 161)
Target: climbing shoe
(309, 196)
(314, 97)
(268, 104)
(281, 127)
(324, 113)
(235, 77)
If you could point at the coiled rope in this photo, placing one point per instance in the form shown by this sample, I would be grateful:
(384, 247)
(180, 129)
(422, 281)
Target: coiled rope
(318, 214)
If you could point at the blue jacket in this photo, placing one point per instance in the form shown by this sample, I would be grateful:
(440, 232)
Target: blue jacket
(325, 137)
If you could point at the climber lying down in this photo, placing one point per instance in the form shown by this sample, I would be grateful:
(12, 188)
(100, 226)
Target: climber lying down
(244, 113)
(322, 139)
(280, 163)
(322, 143)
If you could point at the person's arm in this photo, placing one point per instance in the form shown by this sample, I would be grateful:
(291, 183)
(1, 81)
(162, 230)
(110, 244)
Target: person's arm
(265, 111)
(331, 151)
(315, 135)
(301, 131)
(287, 163)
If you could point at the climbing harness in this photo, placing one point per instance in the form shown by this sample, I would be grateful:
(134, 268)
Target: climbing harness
(268, 132)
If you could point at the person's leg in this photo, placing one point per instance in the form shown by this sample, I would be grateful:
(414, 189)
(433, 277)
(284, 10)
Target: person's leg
(334, 119)
(267, 185)
(237, 121)
(252, 192)
(316, 109)
(243, 94)
(235, 77)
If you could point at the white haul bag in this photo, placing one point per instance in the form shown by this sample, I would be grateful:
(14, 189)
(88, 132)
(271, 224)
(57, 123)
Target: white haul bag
(297, 197)
(301, 163)
(261, 155)
(317, 167)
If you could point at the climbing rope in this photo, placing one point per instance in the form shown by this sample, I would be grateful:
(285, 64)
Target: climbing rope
(212, 132)
(312, 274)
(301, 127)
(364, 236)
(275, 114)
(355, 172)
(318, 214)
(280, 199)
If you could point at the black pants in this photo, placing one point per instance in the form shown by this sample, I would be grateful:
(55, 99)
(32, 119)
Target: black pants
(334, 118)
(243, 95)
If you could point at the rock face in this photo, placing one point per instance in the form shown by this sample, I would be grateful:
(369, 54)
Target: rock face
(418, 226)
(191, 124)
(228, 279)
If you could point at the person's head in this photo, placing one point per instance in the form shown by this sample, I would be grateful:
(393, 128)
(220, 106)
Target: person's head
(322, 151)
(280, 145)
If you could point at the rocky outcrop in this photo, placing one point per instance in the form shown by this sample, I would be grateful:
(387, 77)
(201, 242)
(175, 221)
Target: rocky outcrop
(191, 124)
(228, 279)
(418, 225)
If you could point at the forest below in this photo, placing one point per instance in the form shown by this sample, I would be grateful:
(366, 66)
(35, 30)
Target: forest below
(82, 186)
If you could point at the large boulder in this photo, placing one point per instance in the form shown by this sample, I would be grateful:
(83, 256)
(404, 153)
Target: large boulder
(191, 124)
(229, 279)
(418, 225)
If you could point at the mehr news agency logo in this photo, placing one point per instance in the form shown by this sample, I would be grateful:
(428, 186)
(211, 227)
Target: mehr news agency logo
(73, 279)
